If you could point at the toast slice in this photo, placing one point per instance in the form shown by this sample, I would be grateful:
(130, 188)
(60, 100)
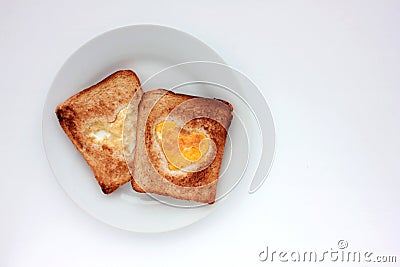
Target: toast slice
(94, 121)
(180, 144)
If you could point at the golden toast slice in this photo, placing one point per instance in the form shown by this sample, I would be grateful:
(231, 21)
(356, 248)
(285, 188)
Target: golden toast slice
(94, 119)
(180, 143)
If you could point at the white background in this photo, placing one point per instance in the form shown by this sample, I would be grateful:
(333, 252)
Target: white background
(330, 73)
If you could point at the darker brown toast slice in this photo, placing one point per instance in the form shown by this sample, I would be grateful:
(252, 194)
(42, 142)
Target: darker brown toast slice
(94, 118)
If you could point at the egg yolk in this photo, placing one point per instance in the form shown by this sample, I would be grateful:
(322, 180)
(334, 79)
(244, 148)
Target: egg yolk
(181, 146)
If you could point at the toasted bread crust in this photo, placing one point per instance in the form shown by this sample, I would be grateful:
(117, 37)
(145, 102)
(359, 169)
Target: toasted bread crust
(100, 103)
(149, 159)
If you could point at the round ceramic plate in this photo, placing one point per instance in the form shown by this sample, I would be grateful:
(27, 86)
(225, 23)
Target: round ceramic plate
(162, 57)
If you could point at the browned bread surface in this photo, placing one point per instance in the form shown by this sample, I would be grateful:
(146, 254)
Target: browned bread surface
(99, 110)
(150, 172)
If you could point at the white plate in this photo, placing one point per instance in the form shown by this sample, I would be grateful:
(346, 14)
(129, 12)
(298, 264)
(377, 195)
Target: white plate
(156, 54)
